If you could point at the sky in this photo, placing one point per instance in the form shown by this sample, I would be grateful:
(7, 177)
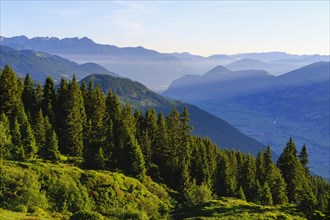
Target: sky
(198, 27)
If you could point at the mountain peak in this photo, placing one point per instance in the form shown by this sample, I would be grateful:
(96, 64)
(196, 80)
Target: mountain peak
(216, 71)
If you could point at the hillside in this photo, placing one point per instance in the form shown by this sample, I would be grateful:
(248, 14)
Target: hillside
(231, 208)
(56, 191)
(61, 156)
(139, 96)
(41, 64)
(273, 109)
(137, 63)
(217, 83)
(204, 124)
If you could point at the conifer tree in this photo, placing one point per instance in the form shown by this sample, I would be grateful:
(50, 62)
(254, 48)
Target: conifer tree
(265, 196)
(95, 134)
(248, 177)
(17, 148)
(61, 113)
(240, 193)
(225, 182)
(260, 168)
(38, 96)
(5, 137)
(303, 157)
(51, 143)
(28, 95)
(9, 91)
(292, 171)
(40, 133)
(49, 100)
(100, 159)
(134, 161)
(268, 162)
(74, 120)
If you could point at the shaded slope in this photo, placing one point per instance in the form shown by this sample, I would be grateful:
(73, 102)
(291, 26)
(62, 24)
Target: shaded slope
(204, 124)
(41, 64)
(294, 104)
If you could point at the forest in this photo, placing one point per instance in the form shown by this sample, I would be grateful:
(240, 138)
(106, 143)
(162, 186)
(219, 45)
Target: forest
(78, 153)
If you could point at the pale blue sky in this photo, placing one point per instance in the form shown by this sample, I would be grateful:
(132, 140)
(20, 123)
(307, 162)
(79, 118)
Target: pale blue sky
(199, 27)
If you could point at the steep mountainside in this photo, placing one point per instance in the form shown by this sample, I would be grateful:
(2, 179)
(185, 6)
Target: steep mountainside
(294, 104)
(41, 64)
(204, 124)
(140, 96)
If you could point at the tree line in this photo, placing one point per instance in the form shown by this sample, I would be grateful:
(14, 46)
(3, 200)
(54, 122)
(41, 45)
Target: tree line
(98, 131)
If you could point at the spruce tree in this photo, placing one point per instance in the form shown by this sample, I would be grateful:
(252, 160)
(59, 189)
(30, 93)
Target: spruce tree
(260, 168)
(303, 157)
(61, 113)
(5, 137)
(51, 144)
(292, 171)
(266, 196)
(38, 96)
(9, 91)
(240, 193)
(225, 181)
(74, 120)
(49, 100)
(28, 141)
(40, 133)
(100, 159)
(28, 95)
(17, 152)
(95, 134)
(248, 176)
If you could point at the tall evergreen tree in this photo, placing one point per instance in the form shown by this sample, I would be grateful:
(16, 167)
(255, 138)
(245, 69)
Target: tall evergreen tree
(303, 157)
(260, 168)
(51, 151)
(9, 91)
(292, 171)
(28, 95)
(61, 113)
(49, 100)
(5, 137)
(266, 197)
(248, 178)
(40, 133)
(226, 183)
(74, 120)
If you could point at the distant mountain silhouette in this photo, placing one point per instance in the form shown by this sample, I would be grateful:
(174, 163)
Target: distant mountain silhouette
(41, 64)
(216, 83)
(154, 69)
(269, 108)
(137, 63)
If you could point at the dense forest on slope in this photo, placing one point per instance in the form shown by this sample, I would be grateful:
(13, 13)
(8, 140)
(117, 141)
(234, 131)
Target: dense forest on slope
(81, 126)
(38, 63)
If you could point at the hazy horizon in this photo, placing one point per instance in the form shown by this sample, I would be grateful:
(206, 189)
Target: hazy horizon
(202, 28)
(181, 52)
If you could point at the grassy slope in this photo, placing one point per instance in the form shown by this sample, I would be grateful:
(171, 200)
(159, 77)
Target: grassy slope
(231, 208)
(110, 193)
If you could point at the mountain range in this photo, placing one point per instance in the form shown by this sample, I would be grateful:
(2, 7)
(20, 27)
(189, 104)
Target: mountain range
(41, 64)
(135, 93)
(268, 108)
(154, 69)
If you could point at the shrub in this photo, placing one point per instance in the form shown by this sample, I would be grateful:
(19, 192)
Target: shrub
(65, 194)
(87, 215)
(20, 208)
